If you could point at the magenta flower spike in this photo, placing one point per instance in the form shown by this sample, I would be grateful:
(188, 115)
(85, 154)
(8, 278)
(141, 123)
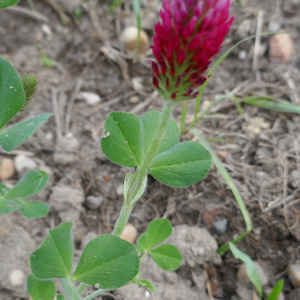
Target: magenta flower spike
(190, 34)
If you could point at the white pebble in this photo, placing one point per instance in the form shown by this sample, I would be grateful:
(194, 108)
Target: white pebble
(129, 233)
(89, 98)
(16, 277)
(23, 162)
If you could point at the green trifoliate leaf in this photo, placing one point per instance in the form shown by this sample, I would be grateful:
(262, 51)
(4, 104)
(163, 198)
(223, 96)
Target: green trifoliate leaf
(9, 205)
(40, 290)
(11, 137)
(129, 181)
(12, 96)
(150, 123)
(32, 210)
(122, 142)
(30, 84)
(158, 230)
(275, 293)
(107, 262)
(250, 270)
(60, 297)
(181, 166)
(33, 182)
(54, 258)
(7, 3)
(142, 243)
(167, 257)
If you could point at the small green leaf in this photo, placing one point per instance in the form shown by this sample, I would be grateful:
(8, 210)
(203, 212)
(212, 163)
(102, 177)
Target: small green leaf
(107, 261)
(32, 210)
(32, 183)
(9, 205)
(278, 287)
(54, 258)
(15, 135)
(7, 3)
(3, 189)
(158, 230)
(167, 257)
(122, 143)
(60, 297)
(181, 166)
(142, 243)
(40, 290)
(145, 283)
(250, 270)
(150, 123)
(12, 96)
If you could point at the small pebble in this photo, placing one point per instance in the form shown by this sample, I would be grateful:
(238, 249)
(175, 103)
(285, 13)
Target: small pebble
(137, 83)
(106, 178)
(120, 190)
(293, 272)
(24, 163)
(134, 99)
(89, 98)
(243, 276)
(94, 202)
(16, 278)
(221, 226)
(129, 233)
(129, 38)
(290, 249)
(281, 48)
(7, 169)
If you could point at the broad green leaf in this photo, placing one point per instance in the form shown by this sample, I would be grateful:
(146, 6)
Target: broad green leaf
(150, 123)
(33, 182)
(71, 292)
(145, 283)
(167, 257)
(122, 143)
(142, 243)
(40, 289)
(7, 3)
(32, 210)
(12, 96)
(15, 135)
(250, 270)
(60, 297)
(3, 189)
(54, 258)
(181, 166)
(278, 287)
(9, 205)
(158, 230)
(107, 261)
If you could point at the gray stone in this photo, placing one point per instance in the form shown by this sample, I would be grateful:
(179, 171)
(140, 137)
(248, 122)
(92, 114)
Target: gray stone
(15, 252)
(87, 238)
(293, 272)
(245, 292)
(66, 150)
(196, 244)
(294, 179)
(94, 202)
(221, 226)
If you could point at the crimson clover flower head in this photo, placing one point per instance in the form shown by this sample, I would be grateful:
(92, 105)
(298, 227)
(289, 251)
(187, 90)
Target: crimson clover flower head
(190, 34)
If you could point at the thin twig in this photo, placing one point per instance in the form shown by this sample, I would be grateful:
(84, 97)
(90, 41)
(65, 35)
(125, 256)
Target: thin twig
(71, 102)
(257, 45)
(144, 104)
(56, 113)
(28, 13)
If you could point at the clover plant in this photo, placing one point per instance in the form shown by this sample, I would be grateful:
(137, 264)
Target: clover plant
(190, 34)
(15, 95)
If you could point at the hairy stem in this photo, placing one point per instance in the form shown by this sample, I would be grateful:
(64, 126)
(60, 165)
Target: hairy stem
(81, 287)
(93, 295)
(69, 288)
(143, 170)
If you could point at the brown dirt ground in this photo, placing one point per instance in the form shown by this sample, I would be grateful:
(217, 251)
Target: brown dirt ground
(260, 164)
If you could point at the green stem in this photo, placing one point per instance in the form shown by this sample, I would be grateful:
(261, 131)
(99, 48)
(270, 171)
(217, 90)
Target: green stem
(143, 170)
(183, 116)
(81, 287)
(69, 288)
(123, 219)
(93, 295)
